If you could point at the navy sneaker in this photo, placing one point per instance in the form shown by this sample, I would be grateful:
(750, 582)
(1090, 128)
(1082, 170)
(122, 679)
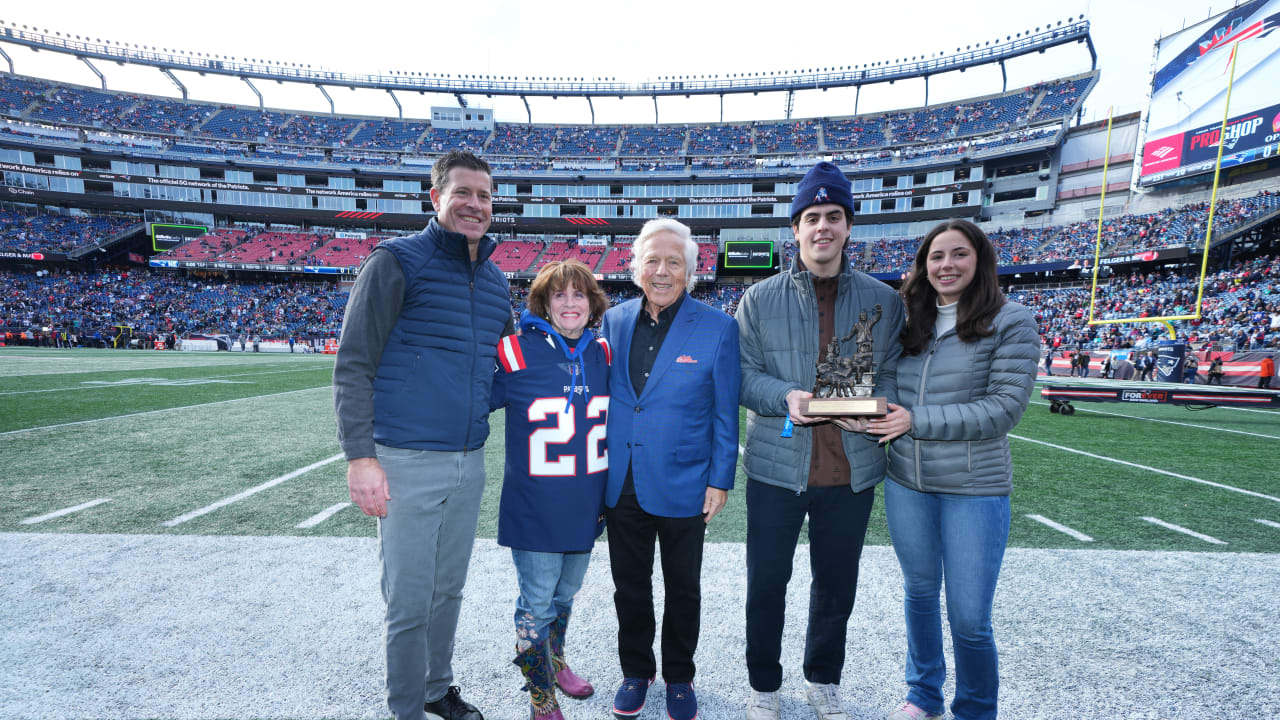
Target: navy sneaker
(630, 698)
(682, 704)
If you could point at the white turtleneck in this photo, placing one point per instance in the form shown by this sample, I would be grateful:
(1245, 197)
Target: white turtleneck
(946, 318)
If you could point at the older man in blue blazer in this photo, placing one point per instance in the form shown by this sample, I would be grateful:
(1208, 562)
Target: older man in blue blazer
(673, 452)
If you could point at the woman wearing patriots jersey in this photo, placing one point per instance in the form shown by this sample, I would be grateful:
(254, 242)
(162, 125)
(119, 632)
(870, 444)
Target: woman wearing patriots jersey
(553, 380)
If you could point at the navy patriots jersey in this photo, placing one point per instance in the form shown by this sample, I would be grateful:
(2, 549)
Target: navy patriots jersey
(557, 459)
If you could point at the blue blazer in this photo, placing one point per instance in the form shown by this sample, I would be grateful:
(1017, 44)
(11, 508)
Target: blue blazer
(681, 434)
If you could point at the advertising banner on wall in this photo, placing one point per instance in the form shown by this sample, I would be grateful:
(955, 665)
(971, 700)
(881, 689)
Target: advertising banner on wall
(1189, 94)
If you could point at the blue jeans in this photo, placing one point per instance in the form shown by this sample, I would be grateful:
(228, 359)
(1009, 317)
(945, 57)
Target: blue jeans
(548, 581)
(425, 546)
(837, 527)
(961, 537)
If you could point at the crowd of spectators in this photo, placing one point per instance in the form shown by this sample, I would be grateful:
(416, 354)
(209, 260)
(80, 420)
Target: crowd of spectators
(651, 166)
(363, 158)
(17, 93)
(314, 131)
(653, 140)
(1169, 227)
(225, 149)
(852, 133)
(81, 107)
(578, 141)
(84, 106)
(720, 140)
(388, 135)
(234, 123)
(155, 115)
(440, 140)
(790, 137)
(28, 233)
(90, 304)
(960, 119)
(1240, 308)
(1059, 97)
(288, 153)
(723, 163)
(514, 139)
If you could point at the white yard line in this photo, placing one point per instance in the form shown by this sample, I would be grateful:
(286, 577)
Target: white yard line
(161, 410)
(65, 511)
(323, 515)
(1061, 528)
(1255, 410)
(6, 356)
(1148, 467)
(247, 493)
(1184, 531)
(107, 386)
(1268, 523)
(1170, 422)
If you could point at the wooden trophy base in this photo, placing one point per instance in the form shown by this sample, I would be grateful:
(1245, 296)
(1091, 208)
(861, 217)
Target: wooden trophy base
(843, 406)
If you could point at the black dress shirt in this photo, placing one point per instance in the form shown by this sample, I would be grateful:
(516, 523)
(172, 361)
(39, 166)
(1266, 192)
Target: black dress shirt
(646, 341)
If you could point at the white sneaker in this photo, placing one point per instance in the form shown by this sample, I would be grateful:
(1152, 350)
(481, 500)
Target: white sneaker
(911, 711)
(825, 699)
(763, 705)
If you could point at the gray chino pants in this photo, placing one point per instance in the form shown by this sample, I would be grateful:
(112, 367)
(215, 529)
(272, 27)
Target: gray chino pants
(425, 545)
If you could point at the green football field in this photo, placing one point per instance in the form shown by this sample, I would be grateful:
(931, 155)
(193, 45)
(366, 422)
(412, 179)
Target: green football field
(147, 442)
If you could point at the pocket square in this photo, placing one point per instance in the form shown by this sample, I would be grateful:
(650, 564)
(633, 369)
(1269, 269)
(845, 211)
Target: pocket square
(686, 359)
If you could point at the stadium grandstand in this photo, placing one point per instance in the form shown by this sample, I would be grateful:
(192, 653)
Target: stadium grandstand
(293, 200)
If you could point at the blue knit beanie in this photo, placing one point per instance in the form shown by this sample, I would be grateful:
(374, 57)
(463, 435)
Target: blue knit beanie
(823, 184)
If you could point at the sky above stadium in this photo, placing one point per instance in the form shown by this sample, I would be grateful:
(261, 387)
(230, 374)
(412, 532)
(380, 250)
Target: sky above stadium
(626, 42)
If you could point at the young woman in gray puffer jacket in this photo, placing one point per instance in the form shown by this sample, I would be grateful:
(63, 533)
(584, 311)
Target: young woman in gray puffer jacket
(965, 377)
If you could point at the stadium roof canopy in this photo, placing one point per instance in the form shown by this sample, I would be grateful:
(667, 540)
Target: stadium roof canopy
(460, 85)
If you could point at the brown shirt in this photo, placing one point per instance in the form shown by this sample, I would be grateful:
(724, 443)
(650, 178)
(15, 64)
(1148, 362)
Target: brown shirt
(828, 466)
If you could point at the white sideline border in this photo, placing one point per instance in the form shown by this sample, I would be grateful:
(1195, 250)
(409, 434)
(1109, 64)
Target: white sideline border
(1059, 527)
(323, 515)
(1184, 531)
(161, 410)
(65, 511)
(250, 492)
(1268, 523)
(1148, 467)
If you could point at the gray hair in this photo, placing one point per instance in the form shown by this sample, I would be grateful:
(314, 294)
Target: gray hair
(675, 227)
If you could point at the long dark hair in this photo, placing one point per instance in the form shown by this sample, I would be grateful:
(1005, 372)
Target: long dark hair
(979, 302)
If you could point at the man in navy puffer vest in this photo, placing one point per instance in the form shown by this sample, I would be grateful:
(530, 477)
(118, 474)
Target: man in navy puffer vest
(411, 389)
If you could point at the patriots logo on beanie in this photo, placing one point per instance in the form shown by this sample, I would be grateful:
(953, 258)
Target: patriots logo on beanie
(824, 183)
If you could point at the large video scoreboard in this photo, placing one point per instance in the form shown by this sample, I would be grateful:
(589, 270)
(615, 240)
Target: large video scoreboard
(1189, 95)
(166, 237)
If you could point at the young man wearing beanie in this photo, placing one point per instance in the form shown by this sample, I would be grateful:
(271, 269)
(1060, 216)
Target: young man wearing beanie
(824, 469)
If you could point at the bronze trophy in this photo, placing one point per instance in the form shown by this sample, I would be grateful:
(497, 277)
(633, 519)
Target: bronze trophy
(844, 385)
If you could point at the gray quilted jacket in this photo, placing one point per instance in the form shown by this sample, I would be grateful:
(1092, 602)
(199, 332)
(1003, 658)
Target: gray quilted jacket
(778, 335)
(964, 398)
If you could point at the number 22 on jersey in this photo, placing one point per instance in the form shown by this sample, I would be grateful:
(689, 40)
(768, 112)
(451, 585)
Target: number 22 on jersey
(541, 464)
